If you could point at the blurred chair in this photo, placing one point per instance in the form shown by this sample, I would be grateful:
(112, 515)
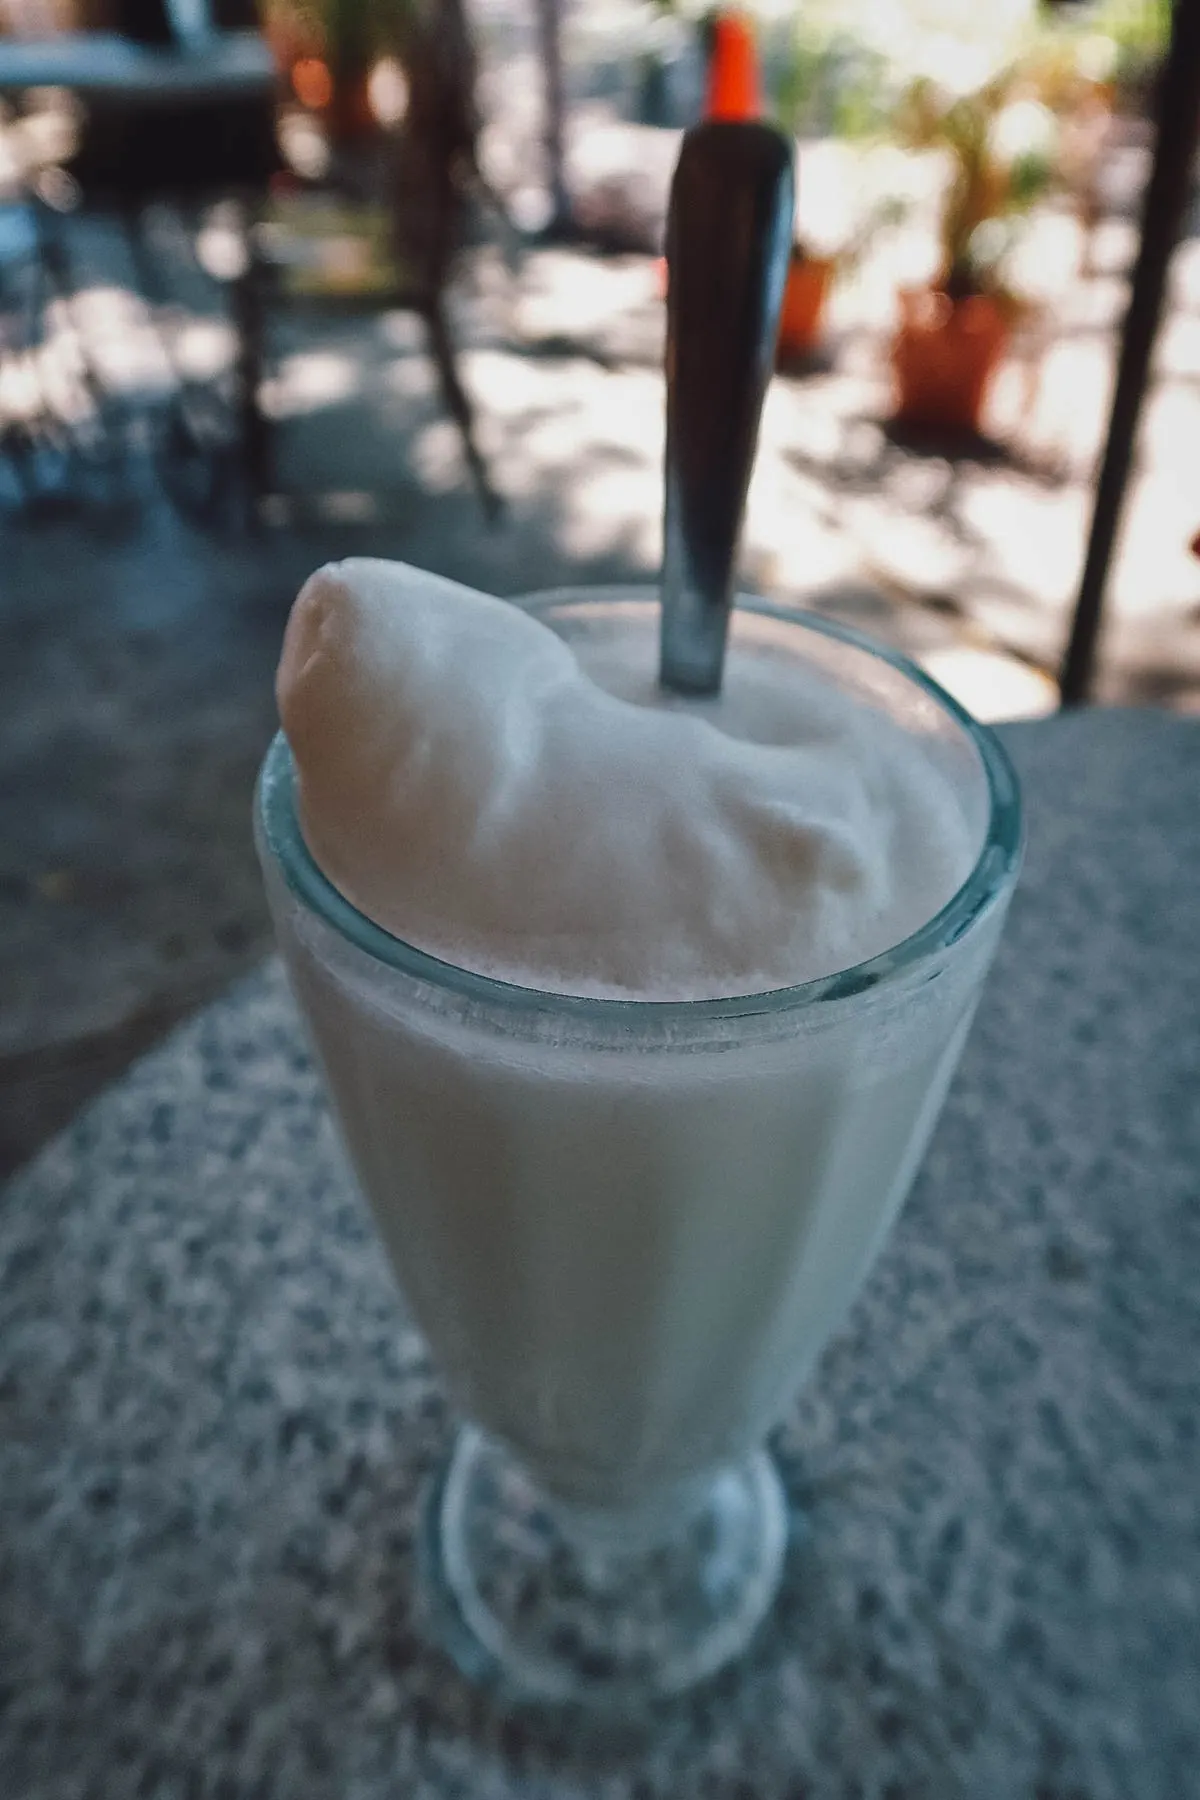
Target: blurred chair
(435, 174)
(31, 436)
(62, 435)
(178, 105)
(394, 208)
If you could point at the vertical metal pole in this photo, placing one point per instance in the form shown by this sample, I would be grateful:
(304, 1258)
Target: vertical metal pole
(549, 24)
(1178, 126)
(249, 307)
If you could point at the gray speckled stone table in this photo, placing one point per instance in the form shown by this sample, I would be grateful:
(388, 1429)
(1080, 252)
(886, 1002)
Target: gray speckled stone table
(215, 1425)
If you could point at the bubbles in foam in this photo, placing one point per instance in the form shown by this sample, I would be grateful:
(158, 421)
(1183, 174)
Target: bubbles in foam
(539, 811)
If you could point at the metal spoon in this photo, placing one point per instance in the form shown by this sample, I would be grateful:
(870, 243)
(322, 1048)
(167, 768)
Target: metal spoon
(729, 236)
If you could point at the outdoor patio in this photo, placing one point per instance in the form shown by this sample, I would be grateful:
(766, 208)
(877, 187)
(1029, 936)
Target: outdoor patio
(139, 648)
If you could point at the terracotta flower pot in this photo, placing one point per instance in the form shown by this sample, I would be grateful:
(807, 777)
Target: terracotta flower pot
(801, 316)
(944, 355)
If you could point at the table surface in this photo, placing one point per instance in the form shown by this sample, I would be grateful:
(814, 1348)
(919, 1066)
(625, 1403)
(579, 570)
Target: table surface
(98, 64)
(216, 1426)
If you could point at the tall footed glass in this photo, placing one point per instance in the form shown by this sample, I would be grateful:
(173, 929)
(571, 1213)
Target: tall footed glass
(627, 1228)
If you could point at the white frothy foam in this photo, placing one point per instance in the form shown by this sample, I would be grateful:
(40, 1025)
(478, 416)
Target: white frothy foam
(467, 785)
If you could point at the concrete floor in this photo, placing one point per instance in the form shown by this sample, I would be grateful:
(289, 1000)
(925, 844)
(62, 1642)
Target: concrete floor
(137, 652)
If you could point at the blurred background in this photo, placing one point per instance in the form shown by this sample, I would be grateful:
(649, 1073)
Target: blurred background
(383, 277)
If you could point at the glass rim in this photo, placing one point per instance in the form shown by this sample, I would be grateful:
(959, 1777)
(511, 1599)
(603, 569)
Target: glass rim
(998, 860)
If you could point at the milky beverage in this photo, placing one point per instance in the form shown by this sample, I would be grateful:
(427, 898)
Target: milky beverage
(626, 1229)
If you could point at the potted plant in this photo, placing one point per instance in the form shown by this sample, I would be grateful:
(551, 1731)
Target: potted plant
(819, 257)
(801, 317)
(953, 333)
(831, 87)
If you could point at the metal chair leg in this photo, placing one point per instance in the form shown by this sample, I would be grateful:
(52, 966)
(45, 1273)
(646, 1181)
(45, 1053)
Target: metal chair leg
(249, 306)
(458, 404)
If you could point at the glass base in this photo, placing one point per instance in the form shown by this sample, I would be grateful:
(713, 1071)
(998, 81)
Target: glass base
(555, 1603)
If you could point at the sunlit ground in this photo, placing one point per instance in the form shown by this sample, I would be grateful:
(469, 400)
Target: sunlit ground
(972, 566)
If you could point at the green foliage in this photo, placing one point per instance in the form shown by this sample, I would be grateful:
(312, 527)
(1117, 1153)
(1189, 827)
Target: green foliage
(1029, 177)
(1119, 41)
(998, 169)
(1137, 27)
(832, 83)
